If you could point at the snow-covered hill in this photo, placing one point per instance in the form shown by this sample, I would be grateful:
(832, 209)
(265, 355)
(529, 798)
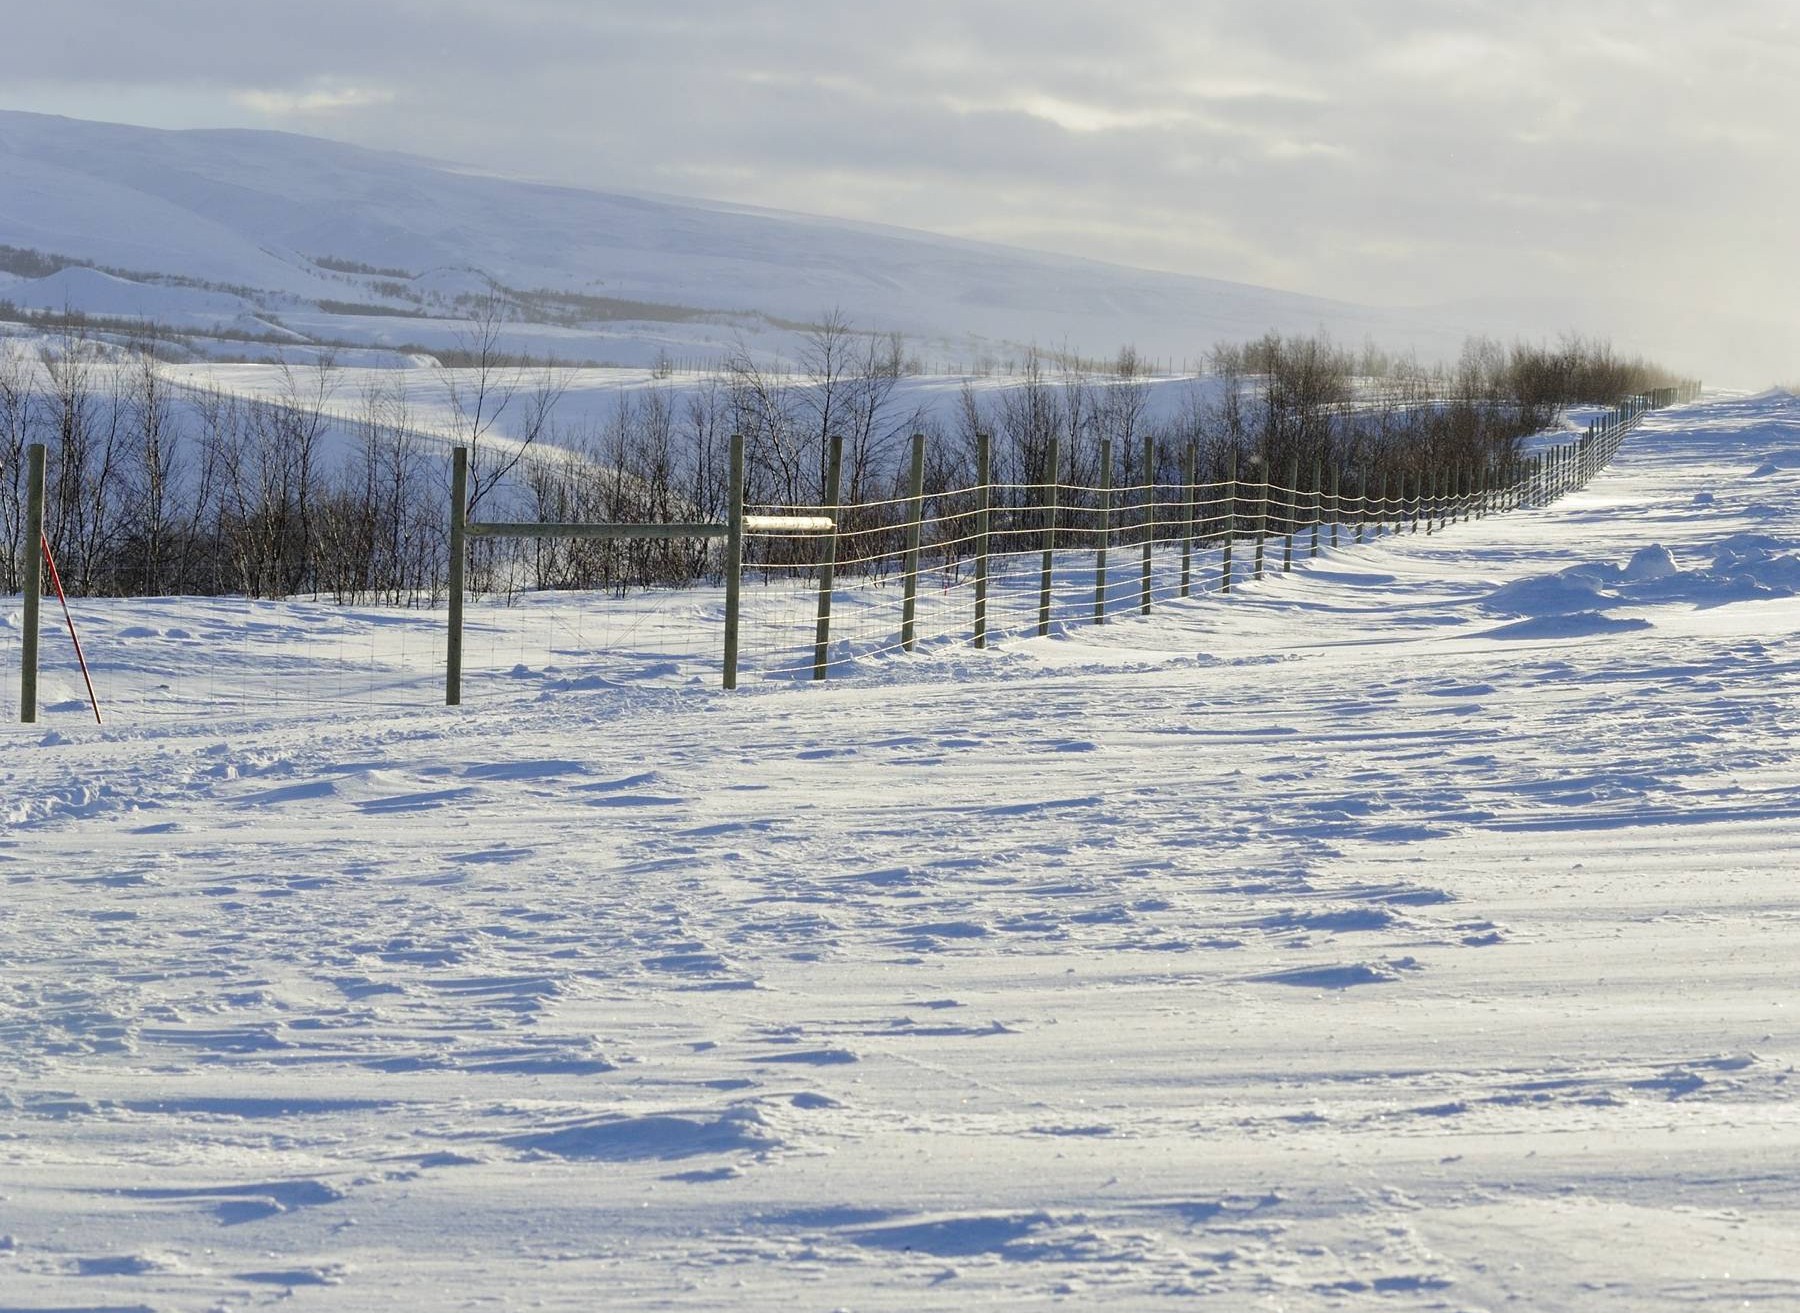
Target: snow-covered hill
(256, 212)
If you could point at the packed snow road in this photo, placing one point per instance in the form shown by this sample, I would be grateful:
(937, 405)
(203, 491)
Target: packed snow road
(1418, 930)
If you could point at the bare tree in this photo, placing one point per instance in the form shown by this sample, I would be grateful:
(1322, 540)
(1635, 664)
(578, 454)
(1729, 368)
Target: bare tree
(17, 418)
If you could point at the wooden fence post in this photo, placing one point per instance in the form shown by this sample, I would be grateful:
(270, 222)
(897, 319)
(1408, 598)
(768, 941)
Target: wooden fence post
(1293, 513)
(459, 521)
(1262, 512)
(1052, 482)
(828, 556)
(915, 521)
(34, 583)
(1318, 507)
(1229, 522)
(734, 558)
(1106, 483)
(1187, 521)
(1381, 505)
(983, 498)
(1337, 502)
(1151, 512)
(1362, 503)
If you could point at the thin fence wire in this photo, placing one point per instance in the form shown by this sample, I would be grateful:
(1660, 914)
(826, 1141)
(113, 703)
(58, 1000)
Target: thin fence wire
(196, 657)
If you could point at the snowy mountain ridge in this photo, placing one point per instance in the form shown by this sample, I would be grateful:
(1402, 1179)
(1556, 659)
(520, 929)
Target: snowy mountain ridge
(300, 221)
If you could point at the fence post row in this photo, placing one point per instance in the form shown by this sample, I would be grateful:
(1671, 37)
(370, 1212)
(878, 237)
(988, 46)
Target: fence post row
(915, 519)
(983, 505)
(1106, 483)
(1438, 495)
(834, 469)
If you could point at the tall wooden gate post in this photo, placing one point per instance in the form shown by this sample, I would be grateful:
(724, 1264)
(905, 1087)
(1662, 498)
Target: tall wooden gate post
(1106, 483)
(734, 559)
(915, 520)
(34, 583)
(459, 521)
(828, 557)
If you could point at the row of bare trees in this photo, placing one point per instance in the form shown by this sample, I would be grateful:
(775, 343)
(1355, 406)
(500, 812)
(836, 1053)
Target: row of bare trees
(317, 488)
(155, 489)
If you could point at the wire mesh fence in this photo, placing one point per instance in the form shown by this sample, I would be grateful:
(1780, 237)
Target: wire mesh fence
(821, 589)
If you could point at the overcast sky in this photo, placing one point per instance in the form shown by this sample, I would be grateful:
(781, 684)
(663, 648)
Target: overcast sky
(1384, 151)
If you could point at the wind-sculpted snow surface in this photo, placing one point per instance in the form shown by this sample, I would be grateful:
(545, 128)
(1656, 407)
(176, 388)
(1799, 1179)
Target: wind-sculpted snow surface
(1348, 943)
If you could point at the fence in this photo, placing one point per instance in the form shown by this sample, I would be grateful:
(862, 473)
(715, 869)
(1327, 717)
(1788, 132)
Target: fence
(837, 582)
(808, 591)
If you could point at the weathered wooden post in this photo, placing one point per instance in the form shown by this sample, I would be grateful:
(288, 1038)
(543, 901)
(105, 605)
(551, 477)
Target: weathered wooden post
(459, 523)
(915, 523)
(1381, 506)
(1337, 502)
(828, 556)
(1362, 503)
(34, 583)
(1318, 507)
(1262, 510)
(1187, 520)
(1106, 482)
(1293, 513)
(1229, 520)
(983, 506)
(1052, 479)
(734, 557)
(1150, 521)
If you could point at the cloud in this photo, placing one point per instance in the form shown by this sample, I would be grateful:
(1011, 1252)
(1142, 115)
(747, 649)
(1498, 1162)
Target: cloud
(319, 100)
(1388, 151)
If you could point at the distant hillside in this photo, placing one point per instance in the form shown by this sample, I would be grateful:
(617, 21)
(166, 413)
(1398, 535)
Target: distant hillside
(326, 236)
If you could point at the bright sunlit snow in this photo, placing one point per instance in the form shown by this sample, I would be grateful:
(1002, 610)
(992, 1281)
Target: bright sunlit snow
(1417, 930)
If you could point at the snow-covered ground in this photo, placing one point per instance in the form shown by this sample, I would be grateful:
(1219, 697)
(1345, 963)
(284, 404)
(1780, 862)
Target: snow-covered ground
(1416, 930)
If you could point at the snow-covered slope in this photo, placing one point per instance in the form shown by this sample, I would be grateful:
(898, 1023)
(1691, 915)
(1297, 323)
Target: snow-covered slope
(249, 208)
(1414, 931)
